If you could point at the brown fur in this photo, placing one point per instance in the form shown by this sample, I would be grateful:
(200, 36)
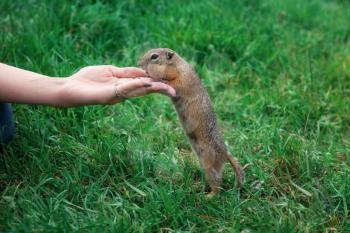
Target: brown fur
(195, 111)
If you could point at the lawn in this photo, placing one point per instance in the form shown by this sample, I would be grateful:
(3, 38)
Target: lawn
(278, 73)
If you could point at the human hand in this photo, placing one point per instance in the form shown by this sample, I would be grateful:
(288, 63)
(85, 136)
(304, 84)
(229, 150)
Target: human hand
(107, 84)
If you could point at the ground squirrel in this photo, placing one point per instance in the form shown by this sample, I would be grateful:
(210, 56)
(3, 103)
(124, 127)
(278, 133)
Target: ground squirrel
(195, 111)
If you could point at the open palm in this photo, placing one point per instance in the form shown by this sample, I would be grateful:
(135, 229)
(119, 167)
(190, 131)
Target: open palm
(108, 84)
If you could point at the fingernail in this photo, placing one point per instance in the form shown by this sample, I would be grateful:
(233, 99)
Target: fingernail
(170, 94)
(173, 93)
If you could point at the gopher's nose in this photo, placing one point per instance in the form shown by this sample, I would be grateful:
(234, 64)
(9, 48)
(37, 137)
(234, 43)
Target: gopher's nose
(141, 64)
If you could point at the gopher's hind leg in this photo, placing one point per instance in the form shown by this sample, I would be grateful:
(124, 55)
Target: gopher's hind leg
(213, 176)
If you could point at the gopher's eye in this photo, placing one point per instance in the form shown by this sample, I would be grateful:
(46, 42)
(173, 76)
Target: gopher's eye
(154, 57)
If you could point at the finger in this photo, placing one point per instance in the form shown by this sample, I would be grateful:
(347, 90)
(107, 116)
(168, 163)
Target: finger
(123, 89)
(162, 88)
(156, 87)
(127, 72)
(119, 81)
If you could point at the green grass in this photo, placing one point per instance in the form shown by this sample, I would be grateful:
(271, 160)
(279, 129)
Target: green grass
(278, 73)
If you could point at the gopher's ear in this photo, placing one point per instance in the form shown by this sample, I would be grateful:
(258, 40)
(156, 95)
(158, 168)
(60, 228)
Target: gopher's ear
(169, 55)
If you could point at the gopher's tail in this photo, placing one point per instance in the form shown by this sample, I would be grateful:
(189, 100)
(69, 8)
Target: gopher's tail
(237, 168)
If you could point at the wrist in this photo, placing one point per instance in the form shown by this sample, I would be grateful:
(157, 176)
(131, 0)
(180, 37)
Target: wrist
(61, 95)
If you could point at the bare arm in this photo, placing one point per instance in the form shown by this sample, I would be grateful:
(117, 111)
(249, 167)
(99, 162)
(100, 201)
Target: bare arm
(91, 85)
(22, 86)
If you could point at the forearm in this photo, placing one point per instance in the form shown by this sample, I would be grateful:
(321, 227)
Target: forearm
(22, 86)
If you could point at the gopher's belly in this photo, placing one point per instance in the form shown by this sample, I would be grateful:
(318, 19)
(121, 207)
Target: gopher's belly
(196, 125)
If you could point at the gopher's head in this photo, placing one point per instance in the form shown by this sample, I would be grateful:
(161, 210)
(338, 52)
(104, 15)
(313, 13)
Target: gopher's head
(160, 64)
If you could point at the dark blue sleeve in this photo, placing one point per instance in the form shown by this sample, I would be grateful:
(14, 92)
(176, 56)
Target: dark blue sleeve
(7, 128)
